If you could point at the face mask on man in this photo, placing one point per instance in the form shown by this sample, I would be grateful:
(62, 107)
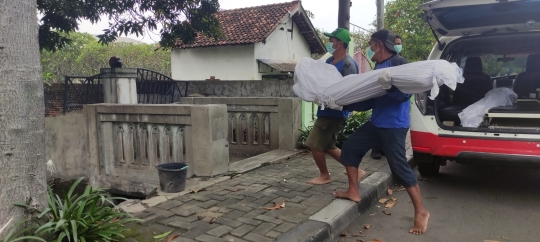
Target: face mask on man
(329, 47)
(370, 53)
(398, 48)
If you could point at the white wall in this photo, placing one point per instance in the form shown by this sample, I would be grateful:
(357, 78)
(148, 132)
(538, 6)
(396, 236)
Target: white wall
(223, 62)
(279, 45)
(238, 62)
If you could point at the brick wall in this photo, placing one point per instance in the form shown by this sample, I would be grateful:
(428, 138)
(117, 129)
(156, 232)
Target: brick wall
(54, 97)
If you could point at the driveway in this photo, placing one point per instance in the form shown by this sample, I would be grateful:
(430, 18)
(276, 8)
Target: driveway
(467, 203)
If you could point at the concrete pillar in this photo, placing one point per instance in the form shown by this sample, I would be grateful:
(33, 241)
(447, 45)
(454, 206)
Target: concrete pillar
(92, 142)
(290, 122)
(119, 85)
(209, 139)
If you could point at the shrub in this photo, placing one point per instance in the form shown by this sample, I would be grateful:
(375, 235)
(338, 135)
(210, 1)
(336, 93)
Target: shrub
(351, 124)
(87, 217)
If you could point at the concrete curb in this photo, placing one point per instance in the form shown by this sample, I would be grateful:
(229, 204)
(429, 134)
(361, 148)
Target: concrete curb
(258, 161)
(327, 224)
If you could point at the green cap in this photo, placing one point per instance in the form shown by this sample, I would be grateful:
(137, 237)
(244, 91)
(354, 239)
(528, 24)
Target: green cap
(340, 34)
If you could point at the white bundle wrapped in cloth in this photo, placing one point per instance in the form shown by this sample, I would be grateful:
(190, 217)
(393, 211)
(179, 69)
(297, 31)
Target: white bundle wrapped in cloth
(473, 115)
(323, 84)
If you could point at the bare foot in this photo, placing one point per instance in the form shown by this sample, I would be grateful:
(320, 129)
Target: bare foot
(322, 179)
(361, 174)
(347, 195)
(420, 223)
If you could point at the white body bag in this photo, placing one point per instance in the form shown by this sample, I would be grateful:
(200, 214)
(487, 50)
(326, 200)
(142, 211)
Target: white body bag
(322, 83)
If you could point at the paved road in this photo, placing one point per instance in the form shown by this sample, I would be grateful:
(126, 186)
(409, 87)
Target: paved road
(467, 203)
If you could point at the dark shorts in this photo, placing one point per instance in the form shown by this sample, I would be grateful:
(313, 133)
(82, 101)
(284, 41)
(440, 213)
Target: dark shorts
(392, 142)
(323, 135)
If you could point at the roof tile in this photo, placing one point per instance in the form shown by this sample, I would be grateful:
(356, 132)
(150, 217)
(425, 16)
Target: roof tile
(246, 25)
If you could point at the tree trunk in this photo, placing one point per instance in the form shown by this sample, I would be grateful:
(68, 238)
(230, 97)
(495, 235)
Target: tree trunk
(22, 126)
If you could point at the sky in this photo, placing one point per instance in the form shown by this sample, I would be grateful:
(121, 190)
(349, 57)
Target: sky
(363, 13)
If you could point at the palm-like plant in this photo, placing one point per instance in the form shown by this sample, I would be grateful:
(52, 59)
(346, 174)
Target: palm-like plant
(90, 216)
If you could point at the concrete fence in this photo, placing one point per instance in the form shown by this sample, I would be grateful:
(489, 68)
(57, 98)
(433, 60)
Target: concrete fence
(258, 125)
(118, 146)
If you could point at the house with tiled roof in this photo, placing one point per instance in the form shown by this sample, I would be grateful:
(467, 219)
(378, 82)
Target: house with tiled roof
(262, 42)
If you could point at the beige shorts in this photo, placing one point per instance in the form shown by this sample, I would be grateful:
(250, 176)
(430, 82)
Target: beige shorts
(324, 134)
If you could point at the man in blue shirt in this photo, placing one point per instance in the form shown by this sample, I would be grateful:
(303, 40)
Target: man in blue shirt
(376, 151)
(323, 136)
(388, 127)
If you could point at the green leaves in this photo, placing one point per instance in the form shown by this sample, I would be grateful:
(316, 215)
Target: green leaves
(404, 18)
(161, 236)
(352, 123)
(180, 19)
(85, 56)
(89, 216)
(19, 230)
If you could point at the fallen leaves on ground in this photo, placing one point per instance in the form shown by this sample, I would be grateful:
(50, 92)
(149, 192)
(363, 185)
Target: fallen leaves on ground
(344, 234)
(196, 190)
(389, 191)
(390, 204)
(161, 236)
(387, 213)
(360, 234)
(372, 214)
(367, 226)
(199, 217)
(277, 206)
(173, 237)
(388, 201)
(487, 240)
(376, 240)
(213, 220)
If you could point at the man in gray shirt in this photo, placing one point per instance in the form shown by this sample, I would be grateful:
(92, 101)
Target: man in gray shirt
(323, 136)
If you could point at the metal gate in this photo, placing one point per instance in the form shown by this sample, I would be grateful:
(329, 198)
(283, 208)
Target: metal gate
(152, 88)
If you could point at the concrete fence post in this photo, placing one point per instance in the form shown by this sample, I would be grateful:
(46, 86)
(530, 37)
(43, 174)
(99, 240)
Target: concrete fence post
(209, 139)
(119, 85)
(290, 122)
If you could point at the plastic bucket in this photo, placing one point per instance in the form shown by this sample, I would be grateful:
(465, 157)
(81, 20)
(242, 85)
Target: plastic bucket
(172, 177)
